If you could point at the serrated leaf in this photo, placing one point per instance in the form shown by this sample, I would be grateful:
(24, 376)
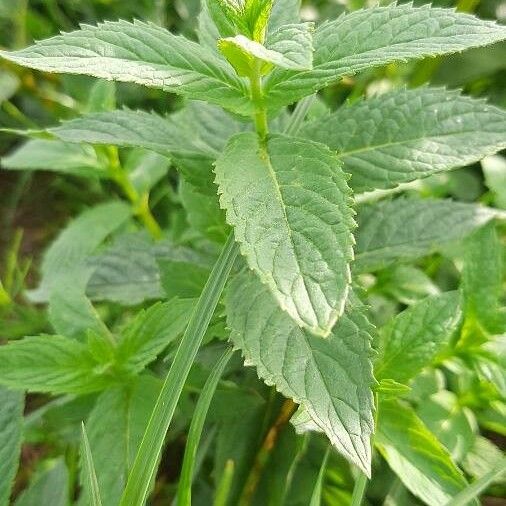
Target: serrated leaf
(291, 210)
(48, 487)
(151, 332)
(410, 228)
(55, 156)
(378, 36)
(192, 137)
(52, 364)
(330, 378)
(141, 53)
(416, 336)
(295, 42)
(415, 455)
(115, 428)
(11, 425)
(405, 135)
(482, 278)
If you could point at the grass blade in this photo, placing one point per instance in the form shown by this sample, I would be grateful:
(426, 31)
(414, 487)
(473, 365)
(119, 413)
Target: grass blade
(316, 497)
(472, 492)
(147, 458)
(223, 490)
(196, 426)
(90, 469)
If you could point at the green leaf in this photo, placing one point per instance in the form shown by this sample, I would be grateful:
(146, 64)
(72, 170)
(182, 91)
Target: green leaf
(405, 228)
(193, 137)
(482, 277)
(330, 378)
(115, 428)
(11, 424)
(405, 135)
(182, 279)
(415, 337)
(50, 487)
(290, 47)
(284, 12)
(415, 455)
(454, 425)
(89, 469)
(378, 36)
(316, 496)
(291, 210)
(141, 53)
(151, 332)
(65, 271)
(52, 364)
(195, 431)
(295, 42)
(56, 156)
(203, 212)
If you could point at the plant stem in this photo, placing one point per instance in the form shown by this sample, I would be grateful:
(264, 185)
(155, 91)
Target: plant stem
(146, 461)
(287, 410)
(359, 489)
(257, 96)
(140, 202)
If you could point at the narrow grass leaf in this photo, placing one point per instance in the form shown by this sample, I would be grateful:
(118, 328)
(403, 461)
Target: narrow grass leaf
(90, 469)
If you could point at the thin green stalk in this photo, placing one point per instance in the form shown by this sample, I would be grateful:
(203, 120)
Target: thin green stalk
(140, 202)
(195, 432)
(257, 96)
(359, 489)
(146, 461)
(299, 114)
(316, 496)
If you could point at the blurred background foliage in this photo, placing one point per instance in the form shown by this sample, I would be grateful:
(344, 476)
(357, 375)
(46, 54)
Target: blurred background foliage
(35, 206)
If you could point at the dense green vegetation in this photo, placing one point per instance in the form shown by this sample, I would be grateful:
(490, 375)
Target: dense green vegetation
(252, 253)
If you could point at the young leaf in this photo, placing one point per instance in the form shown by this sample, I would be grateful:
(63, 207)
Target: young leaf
(11, 424)
(195, 431)
(415, 455)
(331, 378)
(378, 36)
(151, 332)
(115, 428)
(416, 336)
(405, 135)
(291, 210)
(410, 228)
(63, 366)
(49, 487)
(89, 470)
(39, 154)
(141, 53)
(482, 278)
(290, 47)
(284, 12)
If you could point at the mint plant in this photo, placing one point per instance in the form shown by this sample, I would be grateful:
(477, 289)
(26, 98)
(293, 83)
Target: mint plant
(302, 202)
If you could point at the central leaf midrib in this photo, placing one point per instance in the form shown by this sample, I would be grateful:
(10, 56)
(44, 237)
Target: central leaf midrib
(277, 190)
